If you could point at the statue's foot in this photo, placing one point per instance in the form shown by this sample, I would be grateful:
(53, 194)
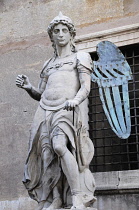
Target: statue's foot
(77, 202)
(56, 204)
(81, 207)
(40, 205)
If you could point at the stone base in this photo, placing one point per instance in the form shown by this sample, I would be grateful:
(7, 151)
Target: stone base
(88, 208)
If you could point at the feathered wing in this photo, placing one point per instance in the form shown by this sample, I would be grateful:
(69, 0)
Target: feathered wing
(112, 72)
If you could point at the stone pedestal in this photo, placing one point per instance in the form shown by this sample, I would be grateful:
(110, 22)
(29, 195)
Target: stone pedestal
(88, 208)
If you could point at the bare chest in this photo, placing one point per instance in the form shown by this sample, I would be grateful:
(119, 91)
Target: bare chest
(61, 66)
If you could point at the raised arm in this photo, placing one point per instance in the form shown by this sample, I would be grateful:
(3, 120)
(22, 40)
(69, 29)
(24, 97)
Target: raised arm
(22, 81)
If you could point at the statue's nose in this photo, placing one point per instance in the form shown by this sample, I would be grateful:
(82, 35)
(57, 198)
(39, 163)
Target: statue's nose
(61, 33)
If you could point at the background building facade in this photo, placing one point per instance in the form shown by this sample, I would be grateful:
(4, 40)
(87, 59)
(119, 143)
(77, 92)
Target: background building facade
(24, 47)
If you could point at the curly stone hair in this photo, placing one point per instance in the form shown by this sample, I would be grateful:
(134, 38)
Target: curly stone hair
(71, 28)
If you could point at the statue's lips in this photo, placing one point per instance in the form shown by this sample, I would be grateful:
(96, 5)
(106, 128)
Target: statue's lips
(61, 40)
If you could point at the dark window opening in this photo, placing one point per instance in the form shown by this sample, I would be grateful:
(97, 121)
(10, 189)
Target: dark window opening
(111, 152)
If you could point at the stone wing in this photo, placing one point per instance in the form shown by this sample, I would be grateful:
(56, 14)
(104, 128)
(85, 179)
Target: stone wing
(112, 72)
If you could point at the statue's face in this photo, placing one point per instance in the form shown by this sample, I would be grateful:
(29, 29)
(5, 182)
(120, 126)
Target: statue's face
(61, 35)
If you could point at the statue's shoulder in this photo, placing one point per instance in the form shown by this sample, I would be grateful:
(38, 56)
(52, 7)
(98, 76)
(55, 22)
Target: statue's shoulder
(84, 59)
(46, 63)
(42, 75)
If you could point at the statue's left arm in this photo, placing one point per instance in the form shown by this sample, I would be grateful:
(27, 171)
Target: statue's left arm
(84, 67)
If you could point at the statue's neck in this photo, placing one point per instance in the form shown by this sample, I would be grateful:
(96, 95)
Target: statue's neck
(63, 51)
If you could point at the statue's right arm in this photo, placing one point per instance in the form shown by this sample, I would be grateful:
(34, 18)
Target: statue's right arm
(22, 81)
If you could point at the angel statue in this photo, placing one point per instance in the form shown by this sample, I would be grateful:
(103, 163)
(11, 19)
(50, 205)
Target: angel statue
(57, 171)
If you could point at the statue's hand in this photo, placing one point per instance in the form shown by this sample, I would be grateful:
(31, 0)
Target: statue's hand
(22, 81)
(71, 104)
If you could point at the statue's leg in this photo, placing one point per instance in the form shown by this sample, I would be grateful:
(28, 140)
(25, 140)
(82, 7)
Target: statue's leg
(46, 154)
(57, 201)
(69, 166)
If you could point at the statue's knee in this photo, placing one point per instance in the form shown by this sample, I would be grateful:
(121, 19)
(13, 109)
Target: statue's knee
(59, 149)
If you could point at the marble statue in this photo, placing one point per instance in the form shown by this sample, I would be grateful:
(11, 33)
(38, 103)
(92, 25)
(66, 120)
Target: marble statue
(57, 171)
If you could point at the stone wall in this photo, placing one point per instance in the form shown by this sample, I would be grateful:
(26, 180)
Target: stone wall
(24, 47)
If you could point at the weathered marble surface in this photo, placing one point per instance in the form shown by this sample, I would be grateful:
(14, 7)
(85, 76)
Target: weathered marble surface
(57, 168)
(88, 208)
(28, 57)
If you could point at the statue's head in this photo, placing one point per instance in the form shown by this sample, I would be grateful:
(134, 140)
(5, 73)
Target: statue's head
(61, 19)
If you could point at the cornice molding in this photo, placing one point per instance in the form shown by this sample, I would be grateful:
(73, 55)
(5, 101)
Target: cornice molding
(121, 36)
(117, 181)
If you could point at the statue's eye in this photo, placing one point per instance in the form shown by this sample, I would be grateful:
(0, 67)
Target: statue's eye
(56, 31)
(65, 30)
